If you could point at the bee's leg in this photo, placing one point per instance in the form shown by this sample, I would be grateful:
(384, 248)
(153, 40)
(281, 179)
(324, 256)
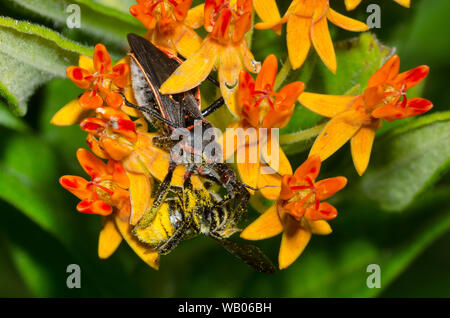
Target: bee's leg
(164, 142)
(149, 111)
(159, 198)
(178, 236)
(213, 107)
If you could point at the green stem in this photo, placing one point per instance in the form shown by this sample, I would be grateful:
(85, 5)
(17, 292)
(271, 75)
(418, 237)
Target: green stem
(282, 74)
(301, 135)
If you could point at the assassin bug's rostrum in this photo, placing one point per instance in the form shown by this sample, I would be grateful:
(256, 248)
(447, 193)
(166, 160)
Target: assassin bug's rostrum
(190, 211)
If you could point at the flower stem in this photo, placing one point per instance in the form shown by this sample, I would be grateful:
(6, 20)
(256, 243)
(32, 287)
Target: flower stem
(301, 135)
(283, 74)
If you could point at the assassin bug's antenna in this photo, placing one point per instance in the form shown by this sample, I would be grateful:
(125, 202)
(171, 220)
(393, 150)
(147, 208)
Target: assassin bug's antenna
(148, 111)
(257, 189)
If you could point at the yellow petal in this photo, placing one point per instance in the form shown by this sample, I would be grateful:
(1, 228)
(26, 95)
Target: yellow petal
(294, 240)
(140, 193)
(87, 63)
(405, 3)
(280, 164)
(321, 39)
(194, 70)
(270, 186)
(361, 147)
(298, 40)
(148, 256)
(195, 16)
(326, 105)
(320, 227)
(230, 65)
(70, 114)
(345, 22)
(249, 167)
(188, 42)
(265, 226)
(267, 10)
(335, 134)
(109, 238)
(352, 4)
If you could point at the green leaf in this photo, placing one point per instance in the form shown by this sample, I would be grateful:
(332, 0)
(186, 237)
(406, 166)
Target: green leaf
(9, 120)
(104, 22)
(407, 161)
(357, 60)
(31, 55)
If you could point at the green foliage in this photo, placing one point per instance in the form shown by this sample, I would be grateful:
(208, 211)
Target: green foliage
(41, 232)
(408, 160)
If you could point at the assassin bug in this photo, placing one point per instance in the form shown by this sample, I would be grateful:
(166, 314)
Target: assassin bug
(150, 67)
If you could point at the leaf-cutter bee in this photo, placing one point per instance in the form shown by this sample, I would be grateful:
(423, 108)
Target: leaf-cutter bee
(189, 212)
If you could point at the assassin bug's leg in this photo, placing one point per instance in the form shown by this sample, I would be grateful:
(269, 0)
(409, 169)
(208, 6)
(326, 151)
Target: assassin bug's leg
(148, 111)
(163, 190)
(213, 107)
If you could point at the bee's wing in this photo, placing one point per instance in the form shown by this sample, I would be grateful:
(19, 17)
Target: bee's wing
(249, 254)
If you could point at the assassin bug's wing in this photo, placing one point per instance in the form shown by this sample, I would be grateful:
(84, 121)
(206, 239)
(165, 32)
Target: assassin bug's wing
(157, 66)
(249, 254)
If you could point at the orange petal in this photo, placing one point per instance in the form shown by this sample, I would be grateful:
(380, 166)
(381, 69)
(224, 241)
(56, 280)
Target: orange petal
(230, 65)
(325, 212)
(352, 4)
(91, 164)
(387, 72)
(102, 60)
(413, 77)
(298, 39)
(89, 100)
(194, 70)
(122, 74)
(109, 238)
(345, 22)
(119, 175)
(361, 147)
(414, 106)
(140, 194)
(328, 187)
(321, 39)
(310, 168)
(268, 73)
(79, 76)
(99, 207)
(278, 163)
(265, 226)
(148, 256)
(335, 134)
(405, 3)
(326, 105)
(320, 227)
(69, 115)
(294, 240)
(267, 10)
(78, 186)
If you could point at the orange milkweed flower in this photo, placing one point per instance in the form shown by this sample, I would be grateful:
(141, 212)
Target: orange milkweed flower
(352, 4)
(299, 212)
(224, 47)
(170, 24)
(307, 23)
(102, 83)
(261, 107)
(108, 194)
(358, 117)
(111, 135)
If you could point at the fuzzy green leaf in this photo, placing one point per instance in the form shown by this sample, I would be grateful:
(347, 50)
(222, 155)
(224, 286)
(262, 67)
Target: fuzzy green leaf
(31, 55)
(104, 22)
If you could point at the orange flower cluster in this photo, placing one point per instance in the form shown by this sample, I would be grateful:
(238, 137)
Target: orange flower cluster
(120, 190)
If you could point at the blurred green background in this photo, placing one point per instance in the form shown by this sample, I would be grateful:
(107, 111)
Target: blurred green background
(397, 215)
